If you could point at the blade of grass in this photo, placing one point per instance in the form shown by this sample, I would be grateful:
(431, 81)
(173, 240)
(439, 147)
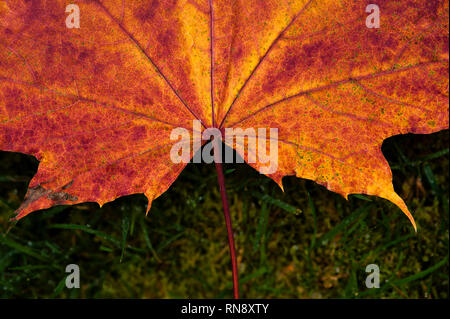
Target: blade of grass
(59, 288)
(125, 227)
(148, 242)
(420, 161)
(276, 202)
(312, 209)
(400, 282)
(437, 190)
(259, 272)
(342, 225)
(421, 274)
(87, 229)
(359, 196)
(23, 249)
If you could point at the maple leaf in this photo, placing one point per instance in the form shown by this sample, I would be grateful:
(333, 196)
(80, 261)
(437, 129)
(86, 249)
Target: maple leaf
(96, 104)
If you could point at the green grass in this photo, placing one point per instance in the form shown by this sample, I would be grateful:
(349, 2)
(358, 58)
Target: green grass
(304, 243)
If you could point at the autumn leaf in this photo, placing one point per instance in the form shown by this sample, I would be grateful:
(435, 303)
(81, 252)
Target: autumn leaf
(96, 104)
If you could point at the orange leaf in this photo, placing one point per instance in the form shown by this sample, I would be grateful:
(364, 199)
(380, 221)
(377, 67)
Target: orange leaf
(96, 104)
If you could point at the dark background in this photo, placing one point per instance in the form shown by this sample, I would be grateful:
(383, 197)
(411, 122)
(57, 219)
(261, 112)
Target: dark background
(304, 243)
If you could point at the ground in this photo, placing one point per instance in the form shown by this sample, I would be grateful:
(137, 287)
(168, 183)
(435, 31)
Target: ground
(304, 243)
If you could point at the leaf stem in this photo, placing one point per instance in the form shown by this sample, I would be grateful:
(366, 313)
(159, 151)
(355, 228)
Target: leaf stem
(226, 211)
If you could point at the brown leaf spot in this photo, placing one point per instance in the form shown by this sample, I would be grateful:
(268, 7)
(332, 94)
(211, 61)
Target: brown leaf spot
(61, 197)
